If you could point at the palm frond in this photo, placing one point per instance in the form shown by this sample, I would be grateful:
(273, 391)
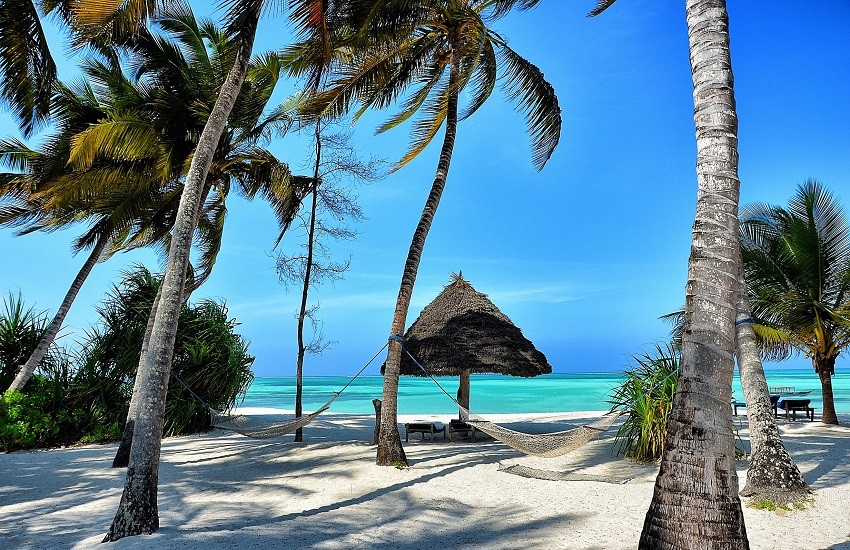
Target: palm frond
(26, 64)
(536, 99)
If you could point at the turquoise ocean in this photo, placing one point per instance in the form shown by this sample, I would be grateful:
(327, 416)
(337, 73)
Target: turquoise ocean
(498, 394)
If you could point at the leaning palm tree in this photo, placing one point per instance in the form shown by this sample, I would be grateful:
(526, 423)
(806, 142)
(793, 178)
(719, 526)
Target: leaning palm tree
(429, 52)
(138, 511)
(772, 473)
(42, 194)
(696, 502)
(175, 84)
(797, 263)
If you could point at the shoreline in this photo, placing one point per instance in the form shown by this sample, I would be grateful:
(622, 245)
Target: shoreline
(223, 490)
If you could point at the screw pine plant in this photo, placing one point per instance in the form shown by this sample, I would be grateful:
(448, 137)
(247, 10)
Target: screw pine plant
(647, 393)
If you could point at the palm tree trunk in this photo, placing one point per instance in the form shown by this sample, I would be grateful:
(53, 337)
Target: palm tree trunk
(28, 368)
(302, 313)
(122, 455)
(390, 451)
(772, 474)
(138, 512)
(825, 367)
(696, 503)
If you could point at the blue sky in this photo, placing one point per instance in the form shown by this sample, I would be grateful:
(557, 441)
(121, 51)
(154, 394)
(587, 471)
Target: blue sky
(583, 256)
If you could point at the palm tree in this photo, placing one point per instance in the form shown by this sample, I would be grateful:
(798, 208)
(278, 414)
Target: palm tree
(797, 263)
(772, 473)
(138, 511)
(38, 195)
(178, 72)
(696, 503)
(429, 52)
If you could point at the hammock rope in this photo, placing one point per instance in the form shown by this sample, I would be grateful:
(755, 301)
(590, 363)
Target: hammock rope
(257, 429)
(548, 445)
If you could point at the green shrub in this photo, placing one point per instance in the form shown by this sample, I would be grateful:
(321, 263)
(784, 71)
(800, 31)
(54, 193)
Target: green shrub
(20, 331)
(23, 422)
(647, 393)
(83, 396)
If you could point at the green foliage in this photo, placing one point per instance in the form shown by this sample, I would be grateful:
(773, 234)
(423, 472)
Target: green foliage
(20, 331)
(84, 396)
(647, 393)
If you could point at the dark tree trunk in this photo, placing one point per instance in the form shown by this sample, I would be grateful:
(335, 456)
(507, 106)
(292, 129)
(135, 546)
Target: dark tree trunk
(138, 512)
(825, 367)
(696, 502)
(772, 474)
(377, 404)
(390, 451)
(463, 394)
(28, 368)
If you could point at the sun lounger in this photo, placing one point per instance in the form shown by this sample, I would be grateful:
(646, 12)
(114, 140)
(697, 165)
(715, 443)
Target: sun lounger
(774, 399)
(460, 427)
(793, 405)
(423, 428)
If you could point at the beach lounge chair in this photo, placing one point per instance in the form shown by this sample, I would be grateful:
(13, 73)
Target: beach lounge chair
(774, 399)
(457, 426)
(423, 428)
(793, 405)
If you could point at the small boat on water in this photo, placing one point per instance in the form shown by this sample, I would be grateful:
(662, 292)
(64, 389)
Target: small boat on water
(788, 390)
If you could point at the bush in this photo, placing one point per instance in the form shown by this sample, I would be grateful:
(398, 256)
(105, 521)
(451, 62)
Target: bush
(84, 396)
(20, 331)
(647, 393)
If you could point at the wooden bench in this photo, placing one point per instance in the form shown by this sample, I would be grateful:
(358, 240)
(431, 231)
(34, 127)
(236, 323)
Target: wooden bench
(423, 428)
(459, 427)
(793, 405)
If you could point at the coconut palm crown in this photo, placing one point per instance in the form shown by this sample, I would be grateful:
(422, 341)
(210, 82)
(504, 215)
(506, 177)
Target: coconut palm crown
(797, 265)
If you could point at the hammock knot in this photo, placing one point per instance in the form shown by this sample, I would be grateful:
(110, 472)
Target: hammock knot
(396, 338)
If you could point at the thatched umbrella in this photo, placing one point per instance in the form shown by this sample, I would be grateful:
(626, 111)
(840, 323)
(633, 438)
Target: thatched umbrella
(463, 332)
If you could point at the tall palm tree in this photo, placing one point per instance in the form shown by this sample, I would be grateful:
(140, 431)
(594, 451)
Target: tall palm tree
(186, 73)
(138, 511)
(696, 503)
(428, 52)
(797, 263)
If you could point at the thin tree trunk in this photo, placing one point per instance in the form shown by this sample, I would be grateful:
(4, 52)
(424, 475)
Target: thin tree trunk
(302, 313)
(825, 367)
(138, 511)
(390, 451)
(463, 393)
(772, 474)
(28, 368)
(696, 503)
(122, 455)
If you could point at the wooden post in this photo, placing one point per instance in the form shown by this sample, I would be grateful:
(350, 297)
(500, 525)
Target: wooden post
(463, 393)
(377, 404)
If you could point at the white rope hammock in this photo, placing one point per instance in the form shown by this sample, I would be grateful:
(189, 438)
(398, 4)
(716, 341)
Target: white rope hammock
(257, 429)
(547, 445)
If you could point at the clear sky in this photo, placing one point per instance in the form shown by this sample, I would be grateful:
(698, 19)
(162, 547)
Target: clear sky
(583, 256)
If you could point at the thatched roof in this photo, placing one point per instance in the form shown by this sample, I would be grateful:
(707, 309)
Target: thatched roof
(462, 329)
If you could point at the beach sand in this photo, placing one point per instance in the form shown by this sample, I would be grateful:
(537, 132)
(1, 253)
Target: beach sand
(223, 490)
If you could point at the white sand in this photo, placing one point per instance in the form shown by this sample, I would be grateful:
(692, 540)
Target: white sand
(223, 490)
